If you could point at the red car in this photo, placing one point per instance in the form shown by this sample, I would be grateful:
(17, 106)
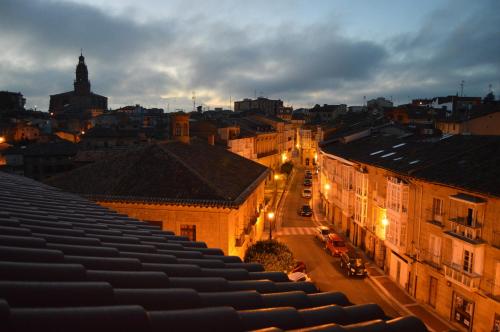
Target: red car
(336, 245)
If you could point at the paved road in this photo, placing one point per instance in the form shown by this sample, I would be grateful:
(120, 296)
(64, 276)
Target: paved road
(323, 269)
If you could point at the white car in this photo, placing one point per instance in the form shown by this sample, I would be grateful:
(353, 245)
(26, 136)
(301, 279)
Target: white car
(298, 276)
(322, 233)
(307, 193)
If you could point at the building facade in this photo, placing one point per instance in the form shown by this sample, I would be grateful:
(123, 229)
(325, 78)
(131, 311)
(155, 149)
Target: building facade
(408, 206)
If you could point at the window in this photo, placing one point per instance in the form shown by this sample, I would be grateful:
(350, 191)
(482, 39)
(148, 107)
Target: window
(437, 206)
(434, 248)
(468, 260)
(189, 231)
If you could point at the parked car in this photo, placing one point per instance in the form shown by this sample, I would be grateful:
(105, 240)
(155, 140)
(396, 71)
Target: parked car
(298, 276)
(335, 245)
(307, 182)
(322, 233)
(307, 193)
(308, 176)
(308, 172)
(353, 265)
(305, 211)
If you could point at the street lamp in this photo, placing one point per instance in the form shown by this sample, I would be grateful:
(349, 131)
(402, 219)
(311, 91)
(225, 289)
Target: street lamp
(270, 217)
(385, 221)
(276, 178)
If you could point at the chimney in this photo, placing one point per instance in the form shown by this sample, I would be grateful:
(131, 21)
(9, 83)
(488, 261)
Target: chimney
(211, 139)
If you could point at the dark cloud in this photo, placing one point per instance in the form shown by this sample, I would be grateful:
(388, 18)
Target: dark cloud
(135, 61)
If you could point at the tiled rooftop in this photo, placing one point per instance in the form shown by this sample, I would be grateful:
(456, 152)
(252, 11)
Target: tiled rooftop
(170, 172)
(68, 264)
(450, 160)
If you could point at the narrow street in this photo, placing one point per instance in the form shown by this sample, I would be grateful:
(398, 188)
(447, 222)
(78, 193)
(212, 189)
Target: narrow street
(298, 233)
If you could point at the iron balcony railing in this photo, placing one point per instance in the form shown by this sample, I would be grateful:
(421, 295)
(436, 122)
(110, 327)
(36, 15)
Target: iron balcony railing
(455, 273)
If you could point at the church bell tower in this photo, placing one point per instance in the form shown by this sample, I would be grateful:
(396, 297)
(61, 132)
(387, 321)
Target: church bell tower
(82, 83)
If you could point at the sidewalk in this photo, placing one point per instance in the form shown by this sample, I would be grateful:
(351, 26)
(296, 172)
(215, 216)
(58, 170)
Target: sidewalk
(404, 304)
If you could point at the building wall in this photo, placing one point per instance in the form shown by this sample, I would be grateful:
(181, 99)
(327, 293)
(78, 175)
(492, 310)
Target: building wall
(231, 229)
(243, 147)
(431, 262)
(428, 249)
(485, 125)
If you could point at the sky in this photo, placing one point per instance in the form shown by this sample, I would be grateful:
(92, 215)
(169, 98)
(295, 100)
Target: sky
(159, 53)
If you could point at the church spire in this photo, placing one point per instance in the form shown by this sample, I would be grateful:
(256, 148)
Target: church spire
(82, 83)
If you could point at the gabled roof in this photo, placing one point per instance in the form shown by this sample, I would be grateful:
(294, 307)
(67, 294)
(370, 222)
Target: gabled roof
(67, 264)
(168, 172)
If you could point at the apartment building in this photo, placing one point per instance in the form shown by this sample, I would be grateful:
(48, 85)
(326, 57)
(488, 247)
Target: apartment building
(417, 208)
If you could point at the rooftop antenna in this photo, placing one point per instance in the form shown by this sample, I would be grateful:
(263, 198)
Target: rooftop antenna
(230, 103)
(462, 88)
(364, 100)
(194, 101)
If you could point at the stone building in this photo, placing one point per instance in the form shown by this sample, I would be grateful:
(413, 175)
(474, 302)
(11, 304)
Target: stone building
(481, 120)
(268, 106)
(195, 189)
(11, 101)
(73, 109)
(426, 212)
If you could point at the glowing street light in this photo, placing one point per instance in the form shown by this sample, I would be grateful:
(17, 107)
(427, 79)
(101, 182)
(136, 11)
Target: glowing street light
(385, 221)
(2, 139)
(327, 186)
(270, 217)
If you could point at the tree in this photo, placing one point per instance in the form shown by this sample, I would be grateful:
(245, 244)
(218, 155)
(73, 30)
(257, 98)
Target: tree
(287, 167)
(273, 255)
(490, 97)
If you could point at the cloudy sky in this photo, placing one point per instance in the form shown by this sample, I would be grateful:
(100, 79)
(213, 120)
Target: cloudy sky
(156, 53)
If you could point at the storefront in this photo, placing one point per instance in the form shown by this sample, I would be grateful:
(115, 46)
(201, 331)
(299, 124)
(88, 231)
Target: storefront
(462, 311)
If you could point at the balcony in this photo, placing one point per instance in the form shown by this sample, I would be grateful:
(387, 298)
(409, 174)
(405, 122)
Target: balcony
(454, 273)
(465, 230)
(492, 289)
(430, 258)
(434, 218)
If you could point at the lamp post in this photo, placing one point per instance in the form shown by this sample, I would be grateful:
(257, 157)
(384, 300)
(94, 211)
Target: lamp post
(270, 217)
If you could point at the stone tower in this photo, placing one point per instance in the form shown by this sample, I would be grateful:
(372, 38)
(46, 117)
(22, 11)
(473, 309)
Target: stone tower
(82, 83)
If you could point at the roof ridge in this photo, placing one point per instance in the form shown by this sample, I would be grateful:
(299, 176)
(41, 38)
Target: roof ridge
(191, 169)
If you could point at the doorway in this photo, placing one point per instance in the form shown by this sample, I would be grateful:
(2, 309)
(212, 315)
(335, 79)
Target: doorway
(433, 284)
